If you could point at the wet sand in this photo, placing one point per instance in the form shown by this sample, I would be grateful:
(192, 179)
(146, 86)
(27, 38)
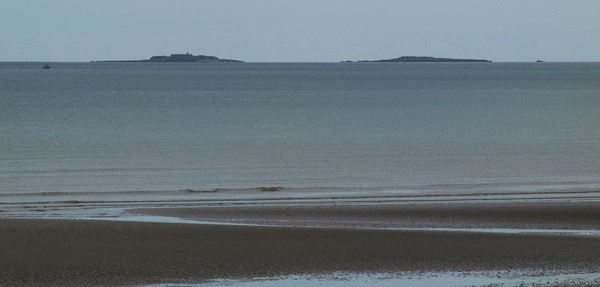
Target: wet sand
(470, 214)
(107, 253)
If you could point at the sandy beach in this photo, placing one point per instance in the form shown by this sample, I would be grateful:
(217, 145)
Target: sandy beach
(469, 214)
(38, 252)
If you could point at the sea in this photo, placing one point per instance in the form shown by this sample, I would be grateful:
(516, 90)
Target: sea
(111, 128)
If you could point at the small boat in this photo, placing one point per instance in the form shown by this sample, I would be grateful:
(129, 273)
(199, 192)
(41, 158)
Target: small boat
(539, 61)
(46, 67)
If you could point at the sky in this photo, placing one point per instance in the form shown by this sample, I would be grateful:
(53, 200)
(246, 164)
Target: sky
(300, 31)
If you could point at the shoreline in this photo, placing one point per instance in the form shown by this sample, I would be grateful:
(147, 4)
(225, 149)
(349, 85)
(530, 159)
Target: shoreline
(71, 252)
(449, 215)
(96, 253)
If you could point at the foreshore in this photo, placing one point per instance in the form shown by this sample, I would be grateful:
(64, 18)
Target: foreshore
(58, 252)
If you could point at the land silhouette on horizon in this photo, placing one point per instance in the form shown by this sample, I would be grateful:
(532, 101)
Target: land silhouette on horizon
(187, 57)
(422, 59)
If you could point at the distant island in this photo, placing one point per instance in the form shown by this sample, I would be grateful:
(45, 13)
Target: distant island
(189, 58)
(411, 59)
(181, 58)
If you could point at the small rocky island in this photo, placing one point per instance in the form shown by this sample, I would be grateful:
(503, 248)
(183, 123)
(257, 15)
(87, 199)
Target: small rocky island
(413, 59)
(187, 57)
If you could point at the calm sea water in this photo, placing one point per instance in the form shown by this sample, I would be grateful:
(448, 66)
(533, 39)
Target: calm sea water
(110, 127)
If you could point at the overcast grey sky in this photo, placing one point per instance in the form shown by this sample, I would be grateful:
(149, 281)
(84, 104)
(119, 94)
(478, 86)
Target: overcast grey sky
(300, 31)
